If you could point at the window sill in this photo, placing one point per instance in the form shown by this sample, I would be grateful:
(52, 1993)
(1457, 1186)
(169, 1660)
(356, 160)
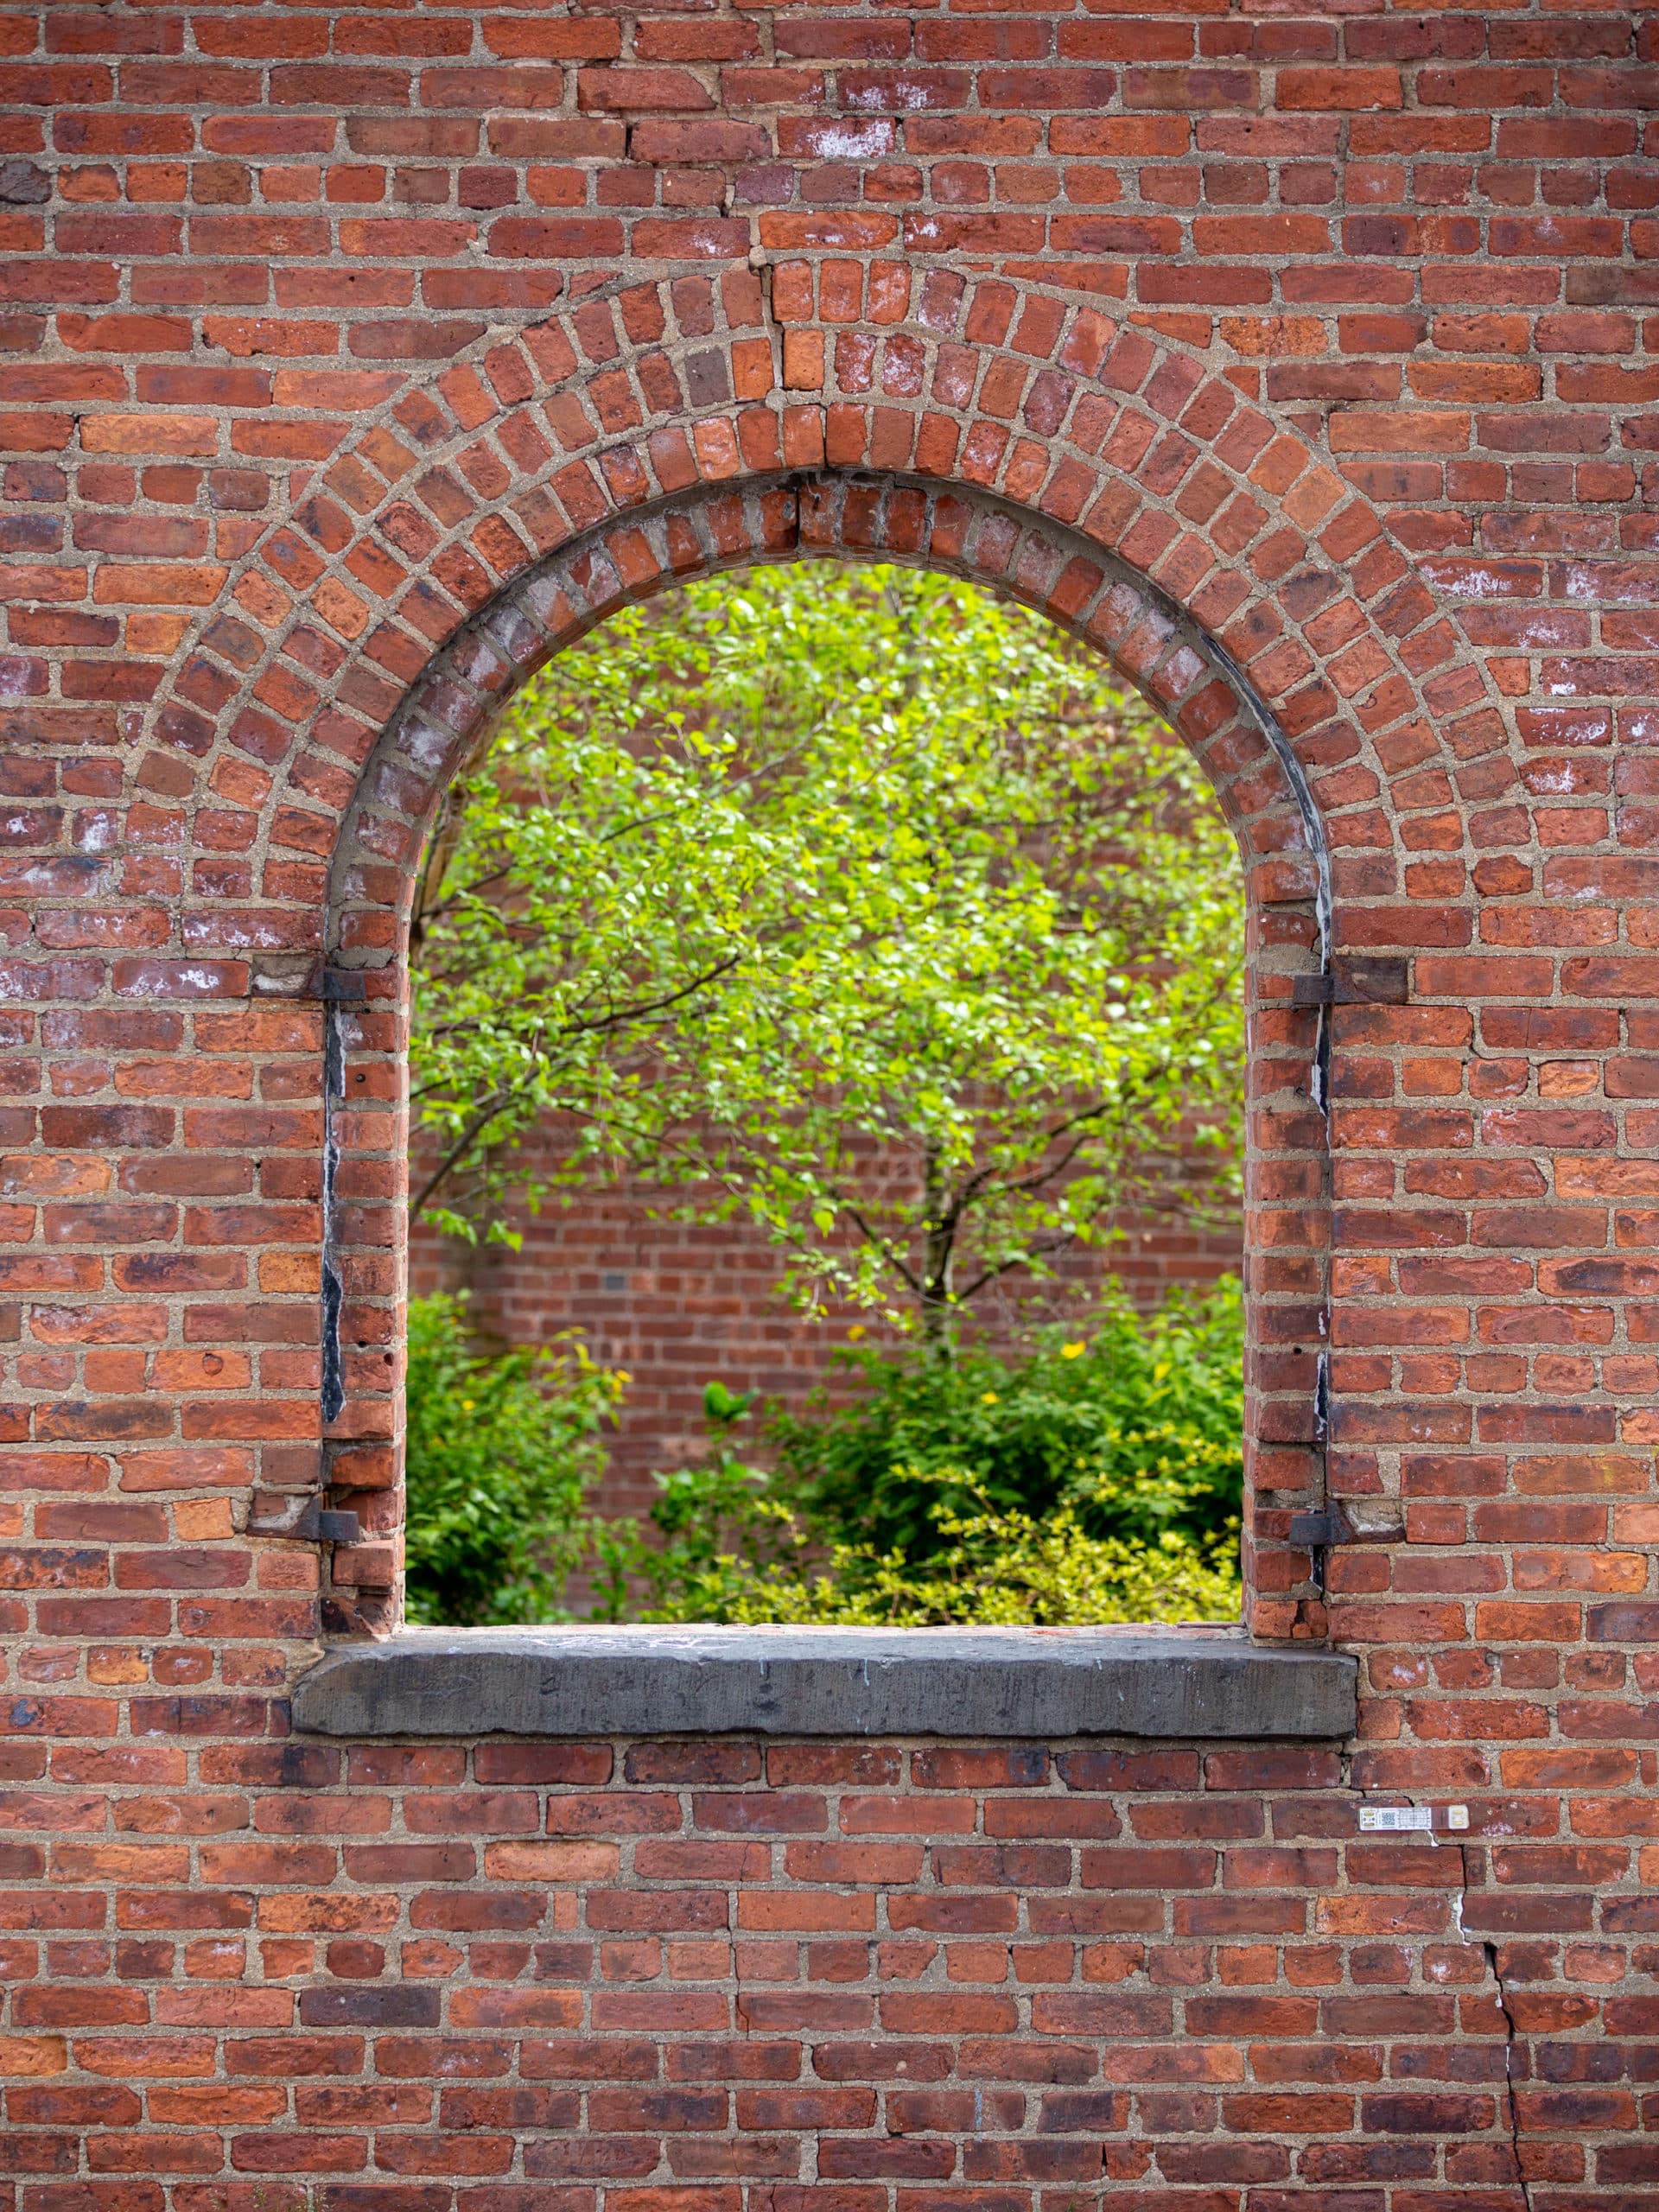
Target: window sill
(829, 1682)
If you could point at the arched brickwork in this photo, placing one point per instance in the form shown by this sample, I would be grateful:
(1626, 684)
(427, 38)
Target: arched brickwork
(1092, 470)
(1005, 388)
(1044, 409)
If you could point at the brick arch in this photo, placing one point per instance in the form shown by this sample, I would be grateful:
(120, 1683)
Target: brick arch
(1104, 475)
(452, 709)
(456, 489)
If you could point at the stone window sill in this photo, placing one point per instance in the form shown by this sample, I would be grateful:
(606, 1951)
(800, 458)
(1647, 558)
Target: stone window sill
(1196, 1683)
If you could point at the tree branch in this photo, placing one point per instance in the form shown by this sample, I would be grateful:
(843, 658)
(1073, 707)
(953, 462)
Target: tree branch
(469, 1137)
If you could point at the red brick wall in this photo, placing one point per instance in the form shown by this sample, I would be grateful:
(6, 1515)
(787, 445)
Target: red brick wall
(353, 361)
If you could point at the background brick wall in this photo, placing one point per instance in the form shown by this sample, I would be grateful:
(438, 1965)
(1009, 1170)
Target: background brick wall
(324, 327)
(677, 1305)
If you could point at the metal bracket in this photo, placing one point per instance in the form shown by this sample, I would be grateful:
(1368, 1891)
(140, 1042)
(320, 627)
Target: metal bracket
(333, 986)
(1354, 981)
(1350, 1521)
(1319, 1531)
(323, 1527)
(305, 1520)
(1312, 991)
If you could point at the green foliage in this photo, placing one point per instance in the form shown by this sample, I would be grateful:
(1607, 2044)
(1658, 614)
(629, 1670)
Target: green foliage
(1096, 1481)
(817, 867)
(984, 1566)
(499, 1453)
(705, 1513)
(990, 1570)
(1135, 1425)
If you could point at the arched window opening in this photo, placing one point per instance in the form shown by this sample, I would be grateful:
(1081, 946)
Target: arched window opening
(828, 1134)
(440, 729)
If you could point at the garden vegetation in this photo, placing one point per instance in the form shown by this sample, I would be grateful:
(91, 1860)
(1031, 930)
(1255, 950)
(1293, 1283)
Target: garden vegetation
(1094, 1479)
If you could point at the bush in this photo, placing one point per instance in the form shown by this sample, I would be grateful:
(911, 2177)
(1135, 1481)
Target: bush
(1137, 1424)
(705, 1517)
(500, 1450)
(1096, 1481)
(988, 1569)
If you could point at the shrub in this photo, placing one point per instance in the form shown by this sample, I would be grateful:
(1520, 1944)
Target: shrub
(1136, 1423)
(1097, 1480)
(988, 1568)
(500, 1450)
(705, 1516)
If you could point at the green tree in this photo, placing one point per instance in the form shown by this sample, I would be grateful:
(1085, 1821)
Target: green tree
(857, 902)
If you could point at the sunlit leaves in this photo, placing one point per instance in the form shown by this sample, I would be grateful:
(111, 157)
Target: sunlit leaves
(817, 866)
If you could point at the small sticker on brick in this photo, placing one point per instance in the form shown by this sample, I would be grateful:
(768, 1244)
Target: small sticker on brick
(1396, 1820)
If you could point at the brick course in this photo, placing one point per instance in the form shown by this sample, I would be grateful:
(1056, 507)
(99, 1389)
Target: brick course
(353, 362)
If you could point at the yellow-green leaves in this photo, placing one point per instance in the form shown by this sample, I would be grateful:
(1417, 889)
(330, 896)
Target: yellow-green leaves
(852, 900)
